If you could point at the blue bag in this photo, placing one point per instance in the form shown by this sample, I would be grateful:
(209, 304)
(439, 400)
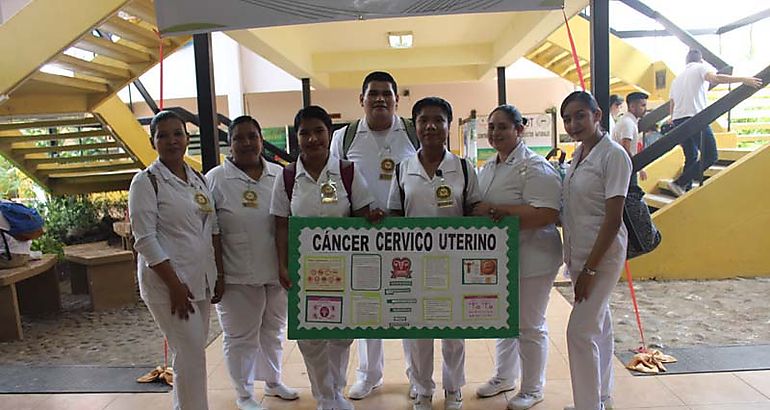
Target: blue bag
(22, 220)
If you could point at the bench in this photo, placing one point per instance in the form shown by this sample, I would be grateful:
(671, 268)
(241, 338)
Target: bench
(29, 289)
(106, 274)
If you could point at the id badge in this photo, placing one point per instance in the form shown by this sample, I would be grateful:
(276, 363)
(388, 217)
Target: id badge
(444, 198)
(203, 202)
(249, 199)
(329, 192)
(387, 166)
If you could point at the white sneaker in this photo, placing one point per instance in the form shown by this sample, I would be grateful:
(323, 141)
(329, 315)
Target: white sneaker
(453, 400)
(493, 387)
(361, 389)
(248, 404)
(282, 391)
(675, 189)
(422, 402)
(523, 401)
(412, 392)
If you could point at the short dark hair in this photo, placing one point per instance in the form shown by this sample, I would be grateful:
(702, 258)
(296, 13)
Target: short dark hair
(694, 56)
(432, 102)
(512, 112)
(615, 100)
(379, 76)
(636, 96)
(582, 97)
(164, 116)
(313, 111)
(240, 120)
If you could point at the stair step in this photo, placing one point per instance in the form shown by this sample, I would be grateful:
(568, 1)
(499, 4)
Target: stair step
(748, 138)
(738, 126)
(52, 82)
(733, 154)
(713, 170)
(62, 170)
(62, 148)
(84, 159)
(116, 51)
(132, 32)
(663, 185)
(55, 123)
(55, 137)
(91, 68)
(657, 200)
(143, 10)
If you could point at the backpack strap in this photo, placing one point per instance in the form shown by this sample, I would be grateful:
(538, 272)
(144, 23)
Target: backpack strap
(346, 173)
(350, 134)
(400, 188)
(289, 174)
(153, 181)
(200, 176)
(7, 255)
(464, 166)
(411, 132)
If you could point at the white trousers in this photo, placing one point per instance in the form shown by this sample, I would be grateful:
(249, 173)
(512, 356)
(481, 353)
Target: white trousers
(253, 318)
(589, 338)
(327, 363)
(371, 361)
(529, 352)
(187, 344)
(419, 353)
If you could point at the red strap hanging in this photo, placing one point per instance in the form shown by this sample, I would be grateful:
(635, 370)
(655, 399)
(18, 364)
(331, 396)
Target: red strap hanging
(574, 52)
(630, 279)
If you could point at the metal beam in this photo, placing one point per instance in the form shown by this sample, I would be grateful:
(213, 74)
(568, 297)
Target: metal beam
(697, 122)
(681, 34)
(146, 96)
(744, 21)
(207, 104)
(661, 33)
(305, 92)
(501, 97)
(600, 57)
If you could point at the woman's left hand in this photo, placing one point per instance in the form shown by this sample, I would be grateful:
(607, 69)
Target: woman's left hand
(219, 290)
(375, 215)
(583, 287)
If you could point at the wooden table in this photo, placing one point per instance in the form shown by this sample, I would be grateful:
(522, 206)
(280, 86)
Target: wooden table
(106, 274)
(29, 289)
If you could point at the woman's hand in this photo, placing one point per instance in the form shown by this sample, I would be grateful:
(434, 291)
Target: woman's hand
(375, 215)
(583, 287)
(487, 209)
(181, 301)
(219, 290)
(283, 278)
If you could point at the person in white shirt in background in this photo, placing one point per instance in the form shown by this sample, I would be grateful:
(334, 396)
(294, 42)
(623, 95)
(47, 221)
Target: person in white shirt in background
(616, 105)
(626, 132)
(379, 142)
(253, 309)
(687, 98)
(434, 183)
(595, 241)
(179, 264)
(319, 190)
(519, 182)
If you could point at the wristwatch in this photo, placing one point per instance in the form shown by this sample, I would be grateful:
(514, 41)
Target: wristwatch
(588, 271)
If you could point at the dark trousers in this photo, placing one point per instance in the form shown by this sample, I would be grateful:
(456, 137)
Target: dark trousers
(702, 141)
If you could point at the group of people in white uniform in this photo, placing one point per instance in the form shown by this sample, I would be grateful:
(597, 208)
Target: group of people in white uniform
(222, 239)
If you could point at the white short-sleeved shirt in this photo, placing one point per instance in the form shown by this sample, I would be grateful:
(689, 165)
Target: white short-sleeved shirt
(15, 246)
(172, 226)
(419, 189)
(248, 232)
(369, 149)
(603, 174)
(688, 90)
(306, 196)
(627, 128)
(526, 178)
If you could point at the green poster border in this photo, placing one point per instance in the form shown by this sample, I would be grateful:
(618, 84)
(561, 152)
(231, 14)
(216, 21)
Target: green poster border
(296, 224)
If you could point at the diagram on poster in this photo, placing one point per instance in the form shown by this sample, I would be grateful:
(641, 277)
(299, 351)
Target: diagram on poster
(403, 278)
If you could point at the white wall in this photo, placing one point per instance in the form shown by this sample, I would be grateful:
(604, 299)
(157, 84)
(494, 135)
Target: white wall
(10, 7)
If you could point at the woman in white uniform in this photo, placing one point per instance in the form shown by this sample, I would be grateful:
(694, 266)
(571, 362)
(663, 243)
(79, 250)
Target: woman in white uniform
(433, 183)
(519, 182)
(319, 190)
(594, 246)
(253, 308)
(172, 216)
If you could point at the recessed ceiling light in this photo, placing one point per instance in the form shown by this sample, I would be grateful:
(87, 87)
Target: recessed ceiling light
(400, 39)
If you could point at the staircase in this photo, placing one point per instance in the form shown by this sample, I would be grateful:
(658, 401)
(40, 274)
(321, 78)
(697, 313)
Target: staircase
(62, 123)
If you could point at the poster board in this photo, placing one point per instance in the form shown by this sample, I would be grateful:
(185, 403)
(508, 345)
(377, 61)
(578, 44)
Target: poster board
(405, 278)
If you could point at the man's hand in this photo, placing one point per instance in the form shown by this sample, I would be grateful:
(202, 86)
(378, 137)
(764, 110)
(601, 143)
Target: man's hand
(642, 175)
(219, 290)
(752, 82)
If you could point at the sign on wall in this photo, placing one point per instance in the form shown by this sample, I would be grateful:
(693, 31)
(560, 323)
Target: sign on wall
(403, 278)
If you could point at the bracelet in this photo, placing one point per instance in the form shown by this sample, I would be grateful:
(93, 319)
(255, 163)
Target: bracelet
(588, 271)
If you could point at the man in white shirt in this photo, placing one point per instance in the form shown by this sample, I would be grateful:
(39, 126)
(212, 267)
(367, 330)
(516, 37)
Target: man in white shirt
(688, 97)
(626, 131)
(616, 103)
(379, 141)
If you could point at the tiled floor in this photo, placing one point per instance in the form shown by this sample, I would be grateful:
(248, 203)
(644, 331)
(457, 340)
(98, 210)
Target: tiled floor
(718, 391)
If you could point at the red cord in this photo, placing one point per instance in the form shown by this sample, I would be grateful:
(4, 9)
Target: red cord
(630, 280)
(574, 52)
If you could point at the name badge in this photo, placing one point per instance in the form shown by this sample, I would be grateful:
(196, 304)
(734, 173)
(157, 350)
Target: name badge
(249, 199)
(203, 202)
(444, 198)
(329, 192)
(387, 166)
